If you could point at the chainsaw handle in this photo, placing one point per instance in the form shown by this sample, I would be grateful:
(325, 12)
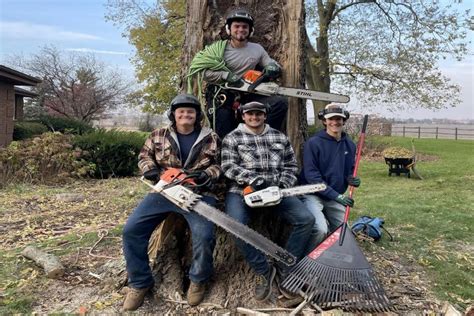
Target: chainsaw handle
(254, 84)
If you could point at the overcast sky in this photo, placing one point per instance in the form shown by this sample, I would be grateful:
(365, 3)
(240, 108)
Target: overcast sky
(27, 25)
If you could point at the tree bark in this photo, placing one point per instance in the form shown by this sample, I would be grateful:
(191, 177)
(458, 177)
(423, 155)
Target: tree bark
(317, 62)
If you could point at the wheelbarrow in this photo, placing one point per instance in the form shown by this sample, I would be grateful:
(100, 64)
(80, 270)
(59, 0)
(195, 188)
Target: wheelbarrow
(399, 166)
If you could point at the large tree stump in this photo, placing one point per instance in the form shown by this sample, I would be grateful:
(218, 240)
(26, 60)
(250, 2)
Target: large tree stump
(279, 26)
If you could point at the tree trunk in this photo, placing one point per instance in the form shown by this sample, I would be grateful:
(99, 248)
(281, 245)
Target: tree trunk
(317, 62)
(279, 28)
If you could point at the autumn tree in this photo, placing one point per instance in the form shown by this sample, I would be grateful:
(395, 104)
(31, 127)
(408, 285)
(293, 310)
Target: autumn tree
(386, 52)
(74, 86)
(157, 32)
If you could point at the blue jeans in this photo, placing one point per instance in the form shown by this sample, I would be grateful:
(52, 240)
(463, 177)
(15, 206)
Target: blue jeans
(328, 215)
(152, 210)
(291, 209)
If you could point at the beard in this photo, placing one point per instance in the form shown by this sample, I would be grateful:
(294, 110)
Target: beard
(240, 38)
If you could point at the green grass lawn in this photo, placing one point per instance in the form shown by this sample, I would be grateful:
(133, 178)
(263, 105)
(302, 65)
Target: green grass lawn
(431, 219)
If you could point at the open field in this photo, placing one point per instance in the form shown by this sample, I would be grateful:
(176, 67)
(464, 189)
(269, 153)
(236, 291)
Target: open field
(431, 221)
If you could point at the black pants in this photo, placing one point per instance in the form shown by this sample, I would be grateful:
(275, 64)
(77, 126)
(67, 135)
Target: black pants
(226, 117)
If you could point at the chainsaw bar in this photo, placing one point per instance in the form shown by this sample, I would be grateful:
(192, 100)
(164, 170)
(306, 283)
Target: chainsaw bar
(243, 232)
(303, 189)
(271, 88)
(187, 200)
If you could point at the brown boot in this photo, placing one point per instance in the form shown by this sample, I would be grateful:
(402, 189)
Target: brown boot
(134, 298)
(195, 293)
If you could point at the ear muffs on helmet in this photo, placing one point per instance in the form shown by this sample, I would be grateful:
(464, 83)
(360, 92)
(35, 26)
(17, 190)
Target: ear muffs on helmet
(239, 15)
(324, 112)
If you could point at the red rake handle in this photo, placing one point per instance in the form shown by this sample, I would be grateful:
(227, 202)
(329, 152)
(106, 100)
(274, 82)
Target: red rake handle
(354, 174)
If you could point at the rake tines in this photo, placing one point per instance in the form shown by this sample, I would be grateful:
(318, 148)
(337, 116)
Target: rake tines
(337, 276)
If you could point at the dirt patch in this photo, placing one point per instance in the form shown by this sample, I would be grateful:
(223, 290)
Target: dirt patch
(85, 236)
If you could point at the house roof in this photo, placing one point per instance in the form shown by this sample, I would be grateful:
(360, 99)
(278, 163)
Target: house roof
(15, 77)
(25, 93)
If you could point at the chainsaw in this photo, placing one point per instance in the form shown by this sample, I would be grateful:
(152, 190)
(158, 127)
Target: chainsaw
(273, 195)
(253, 82)
(176, 186)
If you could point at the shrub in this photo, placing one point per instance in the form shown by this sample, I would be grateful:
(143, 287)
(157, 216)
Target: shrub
(46, 158)
(114, 153)
(25, 129)
(313, 129)
(65, 125)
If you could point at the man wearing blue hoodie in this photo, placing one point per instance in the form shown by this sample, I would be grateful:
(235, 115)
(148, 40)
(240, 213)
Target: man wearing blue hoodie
(329, 157)
(257, 155)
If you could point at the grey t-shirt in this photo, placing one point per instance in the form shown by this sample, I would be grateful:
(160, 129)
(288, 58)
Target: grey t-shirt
(239, 60)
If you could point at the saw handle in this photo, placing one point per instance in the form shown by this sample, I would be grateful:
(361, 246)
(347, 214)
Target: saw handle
(258, 81)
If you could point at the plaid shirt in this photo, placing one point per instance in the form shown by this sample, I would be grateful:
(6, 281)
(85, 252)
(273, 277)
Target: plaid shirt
(246, 155)
(161, 151)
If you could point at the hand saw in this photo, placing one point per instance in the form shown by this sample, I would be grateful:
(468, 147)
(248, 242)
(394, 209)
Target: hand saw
(172, 186)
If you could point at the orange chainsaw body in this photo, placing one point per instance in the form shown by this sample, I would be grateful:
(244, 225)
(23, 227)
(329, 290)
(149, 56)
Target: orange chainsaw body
(174, 174)
(250, 76)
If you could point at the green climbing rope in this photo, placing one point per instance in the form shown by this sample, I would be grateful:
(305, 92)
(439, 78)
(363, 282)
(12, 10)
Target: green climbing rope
(210, 58)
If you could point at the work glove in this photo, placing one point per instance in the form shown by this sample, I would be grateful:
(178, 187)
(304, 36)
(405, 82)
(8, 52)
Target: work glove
(354, 181)
(200, 177)
(152, 175)
(258, 184)
(272, 71)
(234, 80)
(344, 200)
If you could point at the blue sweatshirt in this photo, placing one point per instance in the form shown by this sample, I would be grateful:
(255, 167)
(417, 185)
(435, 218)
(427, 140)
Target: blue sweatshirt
(330, 161)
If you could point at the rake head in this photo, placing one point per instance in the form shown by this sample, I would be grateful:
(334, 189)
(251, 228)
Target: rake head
(334, 276)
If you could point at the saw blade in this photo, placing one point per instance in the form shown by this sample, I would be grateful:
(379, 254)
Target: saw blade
(187, 200)
(271, 88)
(314, 95)
(303, 189)
(244, 233)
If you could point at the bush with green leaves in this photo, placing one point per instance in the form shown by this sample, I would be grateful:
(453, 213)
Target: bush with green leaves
(65, 125)
(114, 153)
(24, 129)
(48, 158)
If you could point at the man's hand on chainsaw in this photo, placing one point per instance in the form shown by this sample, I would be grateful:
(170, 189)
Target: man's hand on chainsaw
(272, 71)
(259, 183)
(234, 80)
(152, 175)
(354, 181)
(199, 177)
(345, 200)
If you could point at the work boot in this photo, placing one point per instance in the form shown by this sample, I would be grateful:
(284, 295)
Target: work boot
(134, 298)
(263, 288)
(195, 293)
(282, 273)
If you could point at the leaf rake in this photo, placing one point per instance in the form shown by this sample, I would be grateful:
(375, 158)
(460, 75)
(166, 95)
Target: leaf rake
(336, 273)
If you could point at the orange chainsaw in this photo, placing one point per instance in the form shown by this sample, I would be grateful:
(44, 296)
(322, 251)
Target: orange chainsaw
(176, 186)
(253, 82)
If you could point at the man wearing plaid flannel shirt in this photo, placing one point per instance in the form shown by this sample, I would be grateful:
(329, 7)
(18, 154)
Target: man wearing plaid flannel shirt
(184, 144)
(257, 155)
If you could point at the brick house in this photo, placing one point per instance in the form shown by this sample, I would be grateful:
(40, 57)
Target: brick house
(11, 100)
